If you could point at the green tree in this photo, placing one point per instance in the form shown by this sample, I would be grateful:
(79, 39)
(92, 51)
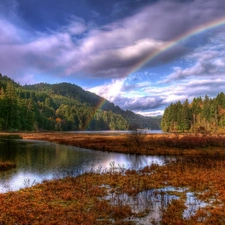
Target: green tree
(11, 107)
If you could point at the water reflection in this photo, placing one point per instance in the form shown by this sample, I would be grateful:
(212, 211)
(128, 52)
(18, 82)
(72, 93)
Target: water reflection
(116, 132)
(39, 160)
(152, 203)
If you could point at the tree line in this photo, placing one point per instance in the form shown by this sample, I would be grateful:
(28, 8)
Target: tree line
(201, 115)
(73, 91)
(25, 108)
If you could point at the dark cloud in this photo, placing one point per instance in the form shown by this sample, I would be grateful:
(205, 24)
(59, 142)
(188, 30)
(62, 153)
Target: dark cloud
(112, 50)
(108, 48)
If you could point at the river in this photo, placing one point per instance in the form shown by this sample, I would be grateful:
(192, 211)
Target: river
(39, 160)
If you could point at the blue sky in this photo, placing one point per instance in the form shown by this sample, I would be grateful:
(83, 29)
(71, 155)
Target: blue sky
(97, 44)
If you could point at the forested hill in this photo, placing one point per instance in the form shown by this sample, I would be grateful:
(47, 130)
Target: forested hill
(61, 106)
(201, 115)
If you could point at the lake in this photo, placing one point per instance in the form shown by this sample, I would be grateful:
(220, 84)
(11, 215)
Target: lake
(39, 160)
(118, 131)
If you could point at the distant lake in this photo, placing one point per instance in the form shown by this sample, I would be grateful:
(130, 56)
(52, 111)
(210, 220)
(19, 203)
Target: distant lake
(39, 160)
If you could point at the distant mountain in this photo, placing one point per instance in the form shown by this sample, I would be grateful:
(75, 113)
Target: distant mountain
(73, 91)
(62, 106)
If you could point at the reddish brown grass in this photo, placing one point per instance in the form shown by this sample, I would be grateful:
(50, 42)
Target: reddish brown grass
(201, 169)
(149, 144)
(80, 199)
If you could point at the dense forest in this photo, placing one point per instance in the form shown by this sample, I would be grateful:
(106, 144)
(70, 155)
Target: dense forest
(61, 107)
(201, 115)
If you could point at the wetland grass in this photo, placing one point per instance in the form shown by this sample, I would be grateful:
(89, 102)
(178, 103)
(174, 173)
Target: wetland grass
(145, 144)
(187, 190)
(126, 196)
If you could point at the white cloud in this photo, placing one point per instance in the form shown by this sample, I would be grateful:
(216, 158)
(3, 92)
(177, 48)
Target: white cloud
(151, 113)
(207, 61)
(174, 98)
(109, 91)
(76, 26)
(10, 34)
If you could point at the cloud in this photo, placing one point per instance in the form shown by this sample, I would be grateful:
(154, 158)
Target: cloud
(206, 61)
(129, 95)
(143, 103)
(113, 51)
(26, 79)
(110, 51)
(44, 54)
(151, 113)
(75, 26)
(8, 33)
(112, 63)
(109, 91)
(9, 9)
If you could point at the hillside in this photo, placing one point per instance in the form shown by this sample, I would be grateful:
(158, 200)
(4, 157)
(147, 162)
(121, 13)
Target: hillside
(75, 92)
(62, 106)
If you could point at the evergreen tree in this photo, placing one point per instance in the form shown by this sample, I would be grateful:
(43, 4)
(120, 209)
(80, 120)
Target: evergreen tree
(10, 108)
(202, 114)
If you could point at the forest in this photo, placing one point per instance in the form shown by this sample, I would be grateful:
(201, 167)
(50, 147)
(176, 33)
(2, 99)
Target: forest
(61, 107)
(204, 115)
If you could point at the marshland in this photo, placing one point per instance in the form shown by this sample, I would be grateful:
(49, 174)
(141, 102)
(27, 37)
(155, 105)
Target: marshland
(183, 182)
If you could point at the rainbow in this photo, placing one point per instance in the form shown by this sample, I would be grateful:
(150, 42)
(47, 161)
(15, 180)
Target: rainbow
(168, 45)
(98, 106)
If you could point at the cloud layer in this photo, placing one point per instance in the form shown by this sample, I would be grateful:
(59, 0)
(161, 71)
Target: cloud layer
(112, 51)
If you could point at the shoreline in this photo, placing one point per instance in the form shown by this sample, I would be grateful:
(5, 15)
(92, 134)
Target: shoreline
(135, 143)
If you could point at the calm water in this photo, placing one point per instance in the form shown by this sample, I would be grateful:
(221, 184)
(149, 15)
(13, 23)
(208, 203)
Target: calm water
(118, 131)
(38, 160)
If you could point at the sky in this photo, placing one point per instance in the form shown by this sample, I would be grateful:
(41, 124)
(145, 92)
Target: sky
(142, 55)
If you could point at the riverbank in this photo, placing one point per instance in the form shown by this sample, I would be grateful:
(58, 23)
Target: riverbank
(138, 143)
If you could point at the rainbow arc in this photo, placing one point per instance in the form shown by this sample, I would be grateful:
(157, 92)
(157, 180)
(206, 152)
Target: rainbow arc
(197, 30)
